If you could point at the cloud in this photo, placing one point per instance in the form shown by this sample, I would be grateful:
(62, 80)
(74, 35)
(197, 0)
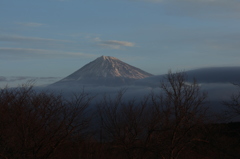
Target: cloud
(63, 0)
(227, 44)
(30, 24)
(15, 81)
(21, 51)
(155, 1)
(16, 78)
(113, 44)
(201, 8)
(14, 41)
(120, 43)
(29, 53)
(167, 1)
(2, 79)
(8, 38)
(216, 2)
(222, 43)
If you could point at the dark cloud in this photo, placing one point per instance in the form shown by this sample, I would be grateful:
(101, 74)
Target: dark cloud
(216, 75)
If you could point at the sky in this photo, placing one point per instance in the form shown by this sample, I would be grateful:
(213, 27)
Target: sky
(47, 40)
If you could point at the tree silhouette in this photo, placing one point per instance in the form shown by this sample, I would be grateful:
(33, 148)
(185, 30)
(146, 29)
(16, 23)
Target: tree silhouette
(233, 105)
(34, 125)
(160, 126)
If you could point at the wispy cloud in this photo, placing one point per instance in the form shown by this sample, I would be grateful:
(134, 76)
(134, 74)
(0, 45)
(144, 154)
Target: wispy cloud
(15, 38)
(120, 43)
(63, 0)
(114, 44)
(30, 24)
(155, 1)
(33, 53)
(15, 41)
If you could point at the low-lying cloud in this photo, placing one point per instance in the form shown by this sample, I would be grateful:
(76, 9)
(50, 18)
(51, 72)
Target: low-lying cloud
(21, 78)
(2, 79)
(15, 81)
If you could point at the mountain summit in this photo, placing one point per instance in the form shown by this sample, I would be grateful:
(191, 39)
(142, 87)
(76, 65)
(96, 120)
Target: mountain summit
(105, 70)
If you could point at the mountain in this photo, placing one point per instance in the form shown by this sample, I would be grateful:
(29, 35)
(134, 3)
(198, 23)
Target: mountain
(105, 70)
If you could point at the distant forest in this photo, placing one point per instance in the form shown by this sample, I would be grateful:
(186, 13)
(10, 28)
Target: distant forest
(172, 124)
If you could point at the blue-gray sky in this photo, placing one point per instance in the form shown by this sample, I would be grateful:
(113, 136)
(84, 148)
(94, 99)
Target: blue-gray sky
(53, 38)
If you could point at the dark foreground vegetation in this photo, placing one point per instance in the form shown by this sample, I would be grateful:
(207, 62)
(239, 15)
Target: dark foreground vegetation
(174, 124)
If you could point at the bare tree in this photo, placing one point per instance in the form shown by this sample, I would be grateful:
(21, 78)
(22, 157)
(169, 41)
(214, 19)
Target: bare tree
(228, 133)
(123, 126)
(182, 106)
(161, 126)
(34, 125)
(233, 105)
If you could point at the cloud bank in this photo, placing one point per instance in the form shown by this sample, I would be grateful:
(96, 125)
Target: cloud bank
(15, 81)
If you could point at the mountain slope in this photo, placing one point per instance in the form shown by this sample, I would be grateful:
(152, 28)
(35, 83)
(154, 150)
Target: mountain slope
(105, 70)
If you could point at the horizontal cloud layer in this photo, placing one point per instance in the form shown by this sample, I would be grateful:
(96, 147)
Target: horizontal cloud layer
(15, 81)
(9, 38)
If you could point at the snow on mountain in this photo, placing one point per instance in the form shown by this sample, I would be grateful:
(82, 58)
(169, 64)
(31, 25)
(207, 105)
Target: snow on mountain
(105, 70)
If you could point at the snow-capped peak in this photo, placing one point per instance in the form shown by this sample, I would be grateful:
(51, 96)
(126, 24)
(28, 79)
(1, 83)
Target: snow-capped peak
(108, 58)
(108, 69)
